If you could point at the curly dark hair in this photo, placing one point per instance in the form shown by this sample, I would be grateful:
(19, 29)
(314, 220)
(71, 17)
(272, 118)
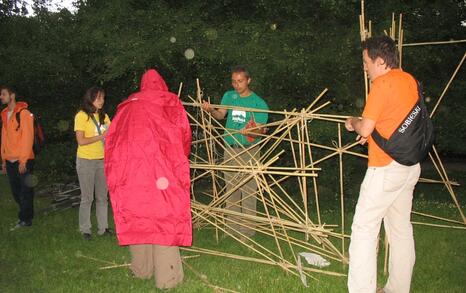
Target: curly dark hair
(383, 47)
(89, 98)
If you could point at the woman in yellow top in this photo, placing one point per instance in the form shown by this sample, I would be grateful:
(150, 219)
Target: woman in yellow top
(91, 124)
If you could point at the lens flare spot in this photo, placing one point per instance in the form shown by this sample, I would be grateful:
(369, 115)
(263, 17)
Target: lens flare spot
(162, 183)
(189, 53)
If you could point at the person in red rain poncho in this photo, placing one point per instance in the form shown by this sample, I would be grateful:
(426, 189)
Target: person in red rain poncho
(146, 163)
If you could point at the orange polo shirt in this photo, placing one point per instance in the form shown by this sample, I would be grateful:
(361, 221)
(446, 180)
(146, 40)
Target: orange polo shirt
(390, 99)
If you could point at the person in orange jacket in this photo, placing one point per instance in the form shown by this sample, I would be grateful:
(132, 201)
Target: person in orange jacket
(17, 153)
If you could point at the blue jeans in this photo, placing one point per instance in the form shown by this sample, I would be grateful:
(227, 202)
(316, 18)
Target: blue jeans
(22, 189)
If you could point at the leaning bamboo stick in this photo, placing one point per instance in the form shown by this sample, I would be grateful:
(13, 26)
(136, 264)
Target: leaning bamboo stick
(316, 100)
(400, 40)
(362, 22)
(179, 89)
(386, 252)
(95, 259)
(302, 152)
(448, 85)
(439, 226)
(336, 152)
(272, 227)
(267, 188)
(436, 217)
(449, 187)
(434, 43)
(432, 181)
(314, 180)
(128, 264)
(393, 28)
(254, 170)
(312, 114)
(342, 198)
(115, 266)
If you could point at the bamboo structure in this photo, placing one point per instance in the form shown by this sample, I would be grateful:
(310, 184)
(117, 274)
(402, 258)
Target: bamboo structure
(288, 210)
(287, 195)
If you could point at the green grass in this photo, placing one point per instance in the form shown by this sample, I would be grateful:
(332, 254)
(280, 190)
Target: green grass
(44, 258)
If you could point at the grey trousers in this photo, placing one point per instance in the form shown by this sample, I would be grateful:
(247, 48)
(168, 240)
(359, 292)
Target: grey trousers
(241, 199)
(92, 179)
(162, 262)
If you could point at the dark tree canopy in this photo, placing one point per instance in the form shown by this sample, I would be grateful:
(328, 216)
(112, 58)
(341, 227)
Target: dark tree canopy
(293, 51)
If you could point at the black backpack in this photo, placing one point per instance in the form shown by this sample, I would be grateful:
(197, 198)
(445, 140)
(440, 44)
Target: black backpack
(39, 137)
(412, 140)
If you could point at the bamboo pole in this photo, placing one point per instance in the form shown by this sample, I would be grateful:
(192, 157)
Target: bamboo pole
(400, 40)
(439, 226)
(179, 89)
(436, 217)
(449, 187)
(432, 181)
(448, 85)
(342, 199)
(386, 253)
(434, 43)
(314, 179)
(302, 152)
(309, 115)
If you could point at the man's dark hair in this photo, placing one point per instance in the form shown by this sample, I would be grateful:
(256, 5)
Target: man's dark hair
(240, 69)
(10, 89)
(383, 47)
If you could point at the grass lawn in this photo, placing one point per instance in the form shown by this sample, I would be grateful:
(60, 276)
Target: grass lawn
(47, 257)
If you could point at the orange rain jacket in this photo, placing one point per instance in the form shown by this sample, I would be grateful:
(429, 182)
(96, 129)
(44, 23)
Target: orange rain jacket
(17, 144)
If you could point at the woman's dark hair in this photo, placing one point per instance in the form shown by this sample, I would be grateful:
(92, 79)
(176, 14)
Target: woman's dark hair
(383, 47)
(89, 97)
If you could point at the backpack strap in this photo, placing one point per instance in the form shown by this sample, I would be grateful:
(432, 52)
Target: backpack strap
(379, 139)
(18, 118)
(96, 124)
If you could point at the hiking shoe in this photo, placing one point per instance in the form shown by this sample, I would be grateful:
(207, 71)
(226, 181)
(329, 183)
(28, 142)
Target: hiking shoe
(108, 232)
(380, 290)
(21, 224)
(87, 236)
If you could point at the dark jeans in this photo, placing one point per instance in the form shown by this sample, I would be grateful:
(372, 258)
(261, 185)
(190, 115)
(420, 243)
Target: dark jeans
(22, 189)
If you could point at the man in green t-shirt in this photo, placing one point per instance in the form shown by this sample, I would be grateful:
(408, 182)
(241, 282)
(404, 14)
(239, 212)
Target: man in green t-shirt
(242, 129)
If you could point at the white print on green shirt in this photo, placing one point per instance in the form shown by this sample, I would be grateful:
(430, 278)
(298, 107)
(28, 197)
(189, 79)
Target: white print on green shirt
(238, 116)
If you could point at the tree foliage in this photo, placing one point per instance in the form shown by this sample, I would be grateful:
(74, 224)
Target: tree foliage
(294, 51)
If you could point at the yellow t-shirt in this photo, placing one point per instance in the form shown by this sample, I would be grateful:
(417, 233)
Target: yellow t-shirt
(82, 122)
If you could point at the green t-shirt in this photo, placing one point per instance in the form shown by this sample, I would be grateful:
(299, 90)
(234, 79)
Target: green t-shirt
(237, 119)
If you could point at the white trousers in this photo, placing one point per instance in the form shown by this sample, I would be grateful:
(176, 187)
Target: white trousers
(386, 193)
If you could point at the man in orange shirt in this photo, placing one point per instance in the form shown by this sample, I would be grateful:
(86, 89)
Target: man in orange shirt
(387, 189)
(17, 154)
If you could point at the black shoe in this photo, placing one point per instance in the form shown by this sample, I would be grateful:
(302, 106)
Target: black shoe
(108, 232)
(87, 236)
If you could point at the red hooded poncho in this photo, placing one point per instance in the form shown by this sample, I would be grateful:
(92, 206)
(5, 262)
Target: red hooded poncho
(147, 167)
